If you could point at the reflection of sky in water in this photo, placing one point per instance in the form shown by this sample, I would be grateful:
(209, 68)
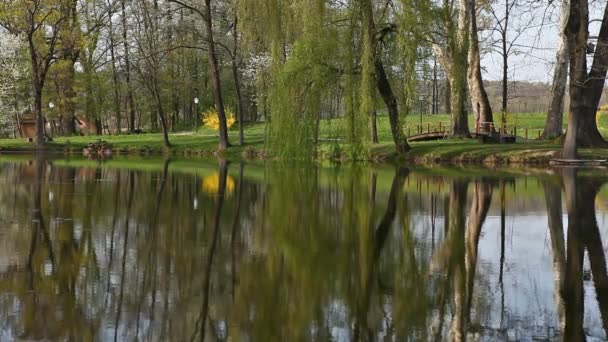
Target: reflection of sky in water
(528, 273)
(530, 310)
(265, 246)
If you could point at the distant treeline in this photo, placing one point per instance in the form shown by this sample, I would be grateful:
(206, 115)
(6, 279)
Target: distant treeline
(524, 97)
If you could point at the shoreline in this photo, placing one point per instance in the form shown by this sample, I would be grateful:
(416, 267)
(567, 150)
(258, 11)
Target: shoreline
(432, 154)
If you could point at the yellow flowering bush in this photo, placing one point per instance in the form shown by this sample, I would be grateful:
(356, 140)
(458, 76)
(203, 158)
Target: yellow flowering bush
(211, 119)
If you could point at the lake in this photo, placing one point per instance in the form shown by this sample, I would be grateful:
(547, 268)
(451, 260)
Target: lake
(181, 250)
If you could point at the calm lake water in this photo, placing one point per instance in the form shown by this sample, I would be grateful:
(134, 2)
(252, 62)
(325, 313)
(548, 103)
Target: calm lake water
(191, 250)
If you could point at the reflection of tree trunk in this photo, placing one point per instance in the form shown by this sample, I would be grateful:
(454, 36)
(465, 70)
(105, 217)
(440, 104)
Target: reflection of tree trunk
(112, 233)
(159, 194)
(456, 240)
(235, 225)
(151, 264)
(216, 231)
(38, 222)
(389, 215)
(597, 259)
(572, 291)
(583, 229)
(482, 198)
(124, 255)
(553, 199)
(503, 214)
(67, 249)
(379, 239)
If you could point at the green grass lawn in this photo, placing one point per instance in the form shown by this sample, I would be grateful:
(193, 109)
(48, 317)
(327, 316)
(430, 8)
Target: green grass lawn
(465, 149)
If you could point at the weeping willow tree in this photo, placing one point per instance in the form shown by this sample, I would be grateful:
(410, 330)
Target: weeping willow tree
(302, 81)
(314, 45)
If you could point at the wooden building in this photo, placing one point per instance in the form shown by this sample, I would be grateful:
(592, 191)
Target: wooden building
(27, 125)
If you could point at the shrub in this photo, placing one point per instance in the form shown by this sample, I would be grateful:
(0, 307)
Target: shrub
(601, 113)
(211, 119)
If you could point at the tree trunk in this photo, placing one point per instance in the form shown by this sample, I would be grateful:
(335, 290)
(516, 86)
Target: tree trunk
(585, 86)
(154, 119)
(478, 94)
(555, 114)
(373, 126)
(125, 43)
(116, 84)
(70, 55)
(460, 120)
(505, 76)
(163, 118)
(455, 58)
(215, 74)
(237, 81)
(38, 78)
(384, 87)
(382, 82)
(40, 141)
(69, 97)
(448, 96)
(435, 89)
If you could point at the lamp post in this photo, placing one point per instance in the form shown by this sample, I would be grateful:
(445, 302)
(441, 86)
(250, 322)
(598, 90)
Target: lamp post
(196, 101)
(51, 106)
(420, 99)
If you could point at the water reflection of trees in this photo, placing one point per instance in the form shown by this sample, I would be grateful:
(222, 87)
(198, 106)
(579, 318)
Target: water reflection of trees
(304, 255)
(583, 234)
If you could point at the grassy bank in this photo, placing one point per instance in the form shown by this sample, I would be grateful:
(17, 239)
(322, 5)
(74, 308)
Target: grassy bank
(204, 142)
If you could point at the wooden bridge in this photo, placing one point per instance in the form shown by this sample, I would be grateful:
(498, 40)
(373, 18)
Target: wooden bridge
(486, 131)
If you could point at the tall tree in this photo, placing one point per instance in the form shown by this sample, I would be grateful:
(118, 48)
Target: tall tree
(71, 47)
(39, 22)
(454, 59)
(152, 45)
(127, 67)
(555, 114)
(373, 68)
(479, 97)
(207, 16)
(586, 85)
(112, 46)
(512, 19)
(13, 74)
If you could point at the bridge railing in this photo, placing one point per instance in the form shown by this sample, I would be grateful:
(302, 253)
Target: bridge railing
(504, 129)
(427, 128)
(480, 128)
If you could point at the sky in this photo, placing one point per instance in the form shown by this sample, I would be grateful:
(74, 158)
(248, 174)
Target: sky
(535, 59)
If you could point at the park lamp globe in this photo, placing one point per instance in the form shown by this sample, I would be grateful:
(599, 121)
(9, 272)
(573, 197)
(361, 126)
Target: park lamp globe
(196, 114)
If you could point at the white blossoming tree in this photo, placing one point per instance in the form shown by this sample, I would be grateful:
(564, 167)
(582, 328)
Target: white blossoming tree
(13, 72)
